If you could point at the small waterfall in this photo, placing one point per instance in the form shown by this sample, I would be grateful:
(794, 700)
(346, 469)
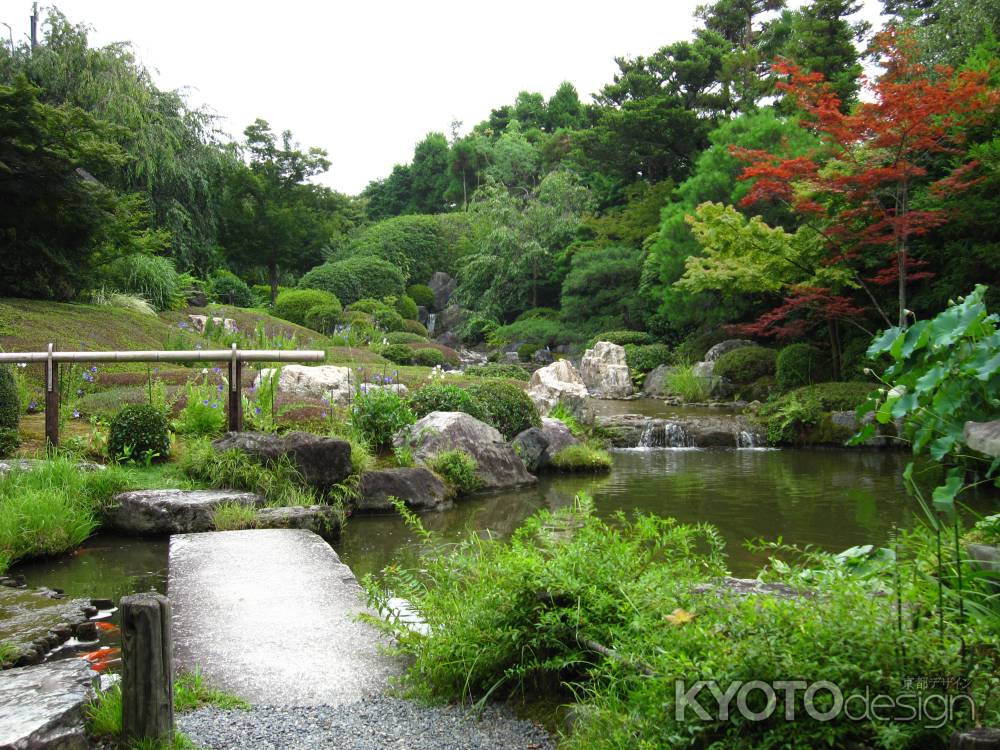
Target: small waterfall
(660, 433)
(746, 439)
(431, 320)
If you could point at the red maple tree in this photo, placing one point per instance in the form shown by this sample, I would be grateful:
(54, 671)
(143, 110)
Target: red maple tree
(858, 189)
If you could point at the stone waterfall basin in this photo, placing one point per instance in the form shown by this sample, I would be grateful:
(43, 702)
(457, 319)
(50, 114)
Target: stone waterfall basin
(271, 616)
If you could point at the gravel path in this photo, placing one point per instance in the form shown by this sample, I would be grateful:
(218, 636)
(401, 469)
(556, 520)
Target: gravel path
(370, 724)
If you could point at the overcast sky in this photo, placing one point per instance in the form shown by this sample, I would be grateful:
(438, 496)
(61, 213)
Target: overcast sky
(367, 80)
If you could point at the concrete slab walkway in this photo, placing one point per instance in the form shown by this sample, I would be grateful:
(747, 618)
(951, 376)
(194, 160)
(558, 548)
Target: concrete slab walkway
(270, 615)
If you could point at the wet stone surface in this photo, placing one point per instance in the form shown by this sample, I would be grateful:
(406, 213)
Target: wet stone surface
(161, 512)
(271, 615)
(34, 621)
(41, 706)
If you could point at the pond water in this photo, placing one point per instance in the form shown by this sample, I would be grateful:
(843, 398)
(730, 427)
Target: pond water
(829, 498)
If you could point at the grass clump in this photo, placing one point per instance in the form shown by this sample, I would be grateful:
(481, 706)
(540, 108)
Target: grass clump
(682, 381)
(53, 507)
(790, 417)
(607, 614)
(458, 469)
(581, 458)
(377, 414)
(280, 483)
(566, 415)
(234, 516)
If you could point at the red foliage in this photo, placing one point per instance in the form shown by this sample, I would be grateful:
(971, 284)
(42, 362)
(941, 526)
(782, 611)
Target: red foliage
(810, 303)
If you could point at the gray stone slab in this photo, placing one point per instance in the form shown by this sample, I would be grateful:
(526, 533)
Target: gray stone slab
(42, 706)
(162, 512)
(271, 615)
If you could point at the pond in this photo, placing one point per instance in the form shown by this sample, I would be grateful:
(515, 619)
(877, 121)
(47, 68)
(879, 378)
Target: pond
(829, 498)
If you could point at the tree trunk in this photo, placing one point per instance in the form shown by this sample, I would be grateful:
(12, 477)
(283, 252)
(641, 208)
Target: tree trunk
(902, 206)
(835, 347)
(272, 278)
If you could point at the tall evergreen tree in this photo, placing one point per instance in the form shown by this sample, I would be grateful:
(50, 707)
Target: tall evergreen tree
(823, 42)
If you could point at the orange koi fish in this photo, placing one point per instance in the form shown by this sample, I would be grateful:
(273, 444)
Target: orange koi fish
(107, 627)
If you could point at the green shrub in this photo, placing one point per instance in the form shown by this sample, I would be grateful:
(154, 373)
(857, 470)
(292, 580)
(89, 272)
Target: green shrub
(790, 415)
(647, 357)
(439, 397)
(139, 432)
(10, 399)
(230, 289)
(761, 389)
(356, 317)
(406, 307)
(204, 413)
(148, 276)
(682, 381)
(507, 407)
(798, 365)
(399, 354)
(526, 351)
(421, 294)
(428, 357)
(477, 328)
(696, 345)
(415, 326)
(743, 366)
(458, 469)
(536, 313)
(541, 331)
(582, 458)
(450, 355)
(377, 414)
(404, 337)
(10, 441)
(355, 278)
(367, 305)
(388, 319)
(498, 370)
(324, 317)
(294, 304)
(621, 338)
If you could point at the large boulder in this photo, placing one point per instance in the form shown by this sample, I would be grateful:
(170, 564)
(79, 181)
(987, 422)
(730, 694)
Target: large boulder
(724, 347)
(443, 286)
(450, 319)
(323, 462)
(326, 381)
(43, 706)
(164, 512)
(498, 465)
(984, 437)
(655, 384)
(605, 371)
(537, 445)
(557, 382)
(418, 487)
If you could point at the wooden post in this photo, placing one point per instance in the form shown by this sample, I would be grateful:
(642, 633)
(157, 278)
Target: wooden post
(235, 394)
(51, 401)
(147, 668)
(975, 739)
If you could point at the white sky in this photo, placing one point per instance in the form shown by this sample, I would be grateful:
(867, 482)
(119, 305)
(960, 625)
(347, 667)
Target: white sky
(367, 80)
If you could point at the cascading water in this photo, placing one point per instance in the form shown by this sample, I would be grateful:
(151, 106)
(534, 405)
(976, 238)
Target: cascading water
(661, 433)
(431, 320)
(746, 439)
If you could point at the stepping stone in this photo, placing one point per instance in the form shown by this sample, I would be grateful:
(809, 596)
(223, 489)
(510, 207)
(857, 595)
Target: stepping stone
(271, 615)
(165, 512)
(320, 519)
(42, 706)
(418, 487)
(34, 621)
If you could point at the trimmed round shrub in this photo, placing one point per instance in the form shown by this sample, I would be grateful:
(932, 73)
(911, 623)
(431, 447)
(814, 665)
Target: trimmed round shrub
(230, 289)
(538, 313)
(294, 304)
(798, 365)
(400, 354)
(324, 317)
(139, 431)
(647, 357)
(405, 337)
(498, 370)
(507, 407)
(428, 357)
(406, 307)
(450, 355)
(388, 319)
(148, 276)
(622, 338)
(445, 398)
(744, 366)
(355, 278)
(526, 351)
(415, 326)
(356, 317)
(421, 294)
(367, 305)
